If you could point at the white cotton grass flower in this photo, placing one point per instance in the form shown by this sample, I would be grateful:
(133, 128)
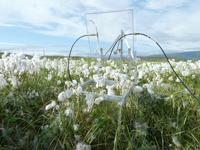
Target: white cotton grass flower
(99, 60)
(176, 141)
(177, 80)
(65, 95)
(5, 54)
(83, 146)
(100, 81)
(149, 87)
(3, 82)
(186, 91)
(170, 78)
(67, 83)
(81, 80)
(57, 107)
(137, 89)
(89, 101)
(108, 69)
(173, 124)
(164, 85)
(49, 77)
(185, 73)
(140, 74)
(141, 128)
(74, 83)
(185, 104)
(69, 112)
(77, 137)
(45, 127)
(50, 106)
(14, 82)
(198, 111)
(110, 90)
(32, 94)
(78, 90)
(132, 77)
(68, 93)
(76, 127)
(59, 82)
(98, 100)
(61, 96)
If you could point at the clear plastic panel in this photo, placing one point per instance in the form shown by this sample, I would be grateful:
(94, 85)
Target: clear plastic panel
(110, 25)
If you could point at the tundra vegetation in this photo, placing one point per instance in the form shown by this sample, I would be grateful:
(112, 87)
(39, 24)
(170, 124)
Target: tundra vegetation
(40, 108)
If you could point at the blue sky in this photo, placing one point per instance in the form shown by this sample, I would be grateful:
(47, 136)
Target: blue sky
(52, 25)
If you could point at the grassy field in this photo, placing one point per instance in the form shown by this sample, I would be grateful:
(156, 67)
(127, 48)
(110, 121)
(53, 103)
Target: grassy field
(41, 109)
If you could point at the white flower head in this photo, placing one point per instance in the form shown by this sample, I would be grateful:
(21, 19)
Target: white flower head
(74, 83)
(50, 106)
(89, 101)
(98, 100)
(59, 82)
(81, 80)
(149, 88)
(67, 83)
(65, 95)
(170, 78)
(141, 128)
(110, 90)
(3, 82)
(68, 93)
(61, 96)
(79, 90)
(82, 146)
(137, 89)
(76, 127)
(176, 141)
(69, 112)
(177, 80)
(15, 83)
(49, 77)
(100, 81)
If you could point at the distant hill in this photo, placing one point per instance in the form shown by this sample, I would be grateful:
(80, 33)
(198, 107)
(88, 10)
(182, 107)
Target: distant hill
(187, 55)
(192, 55)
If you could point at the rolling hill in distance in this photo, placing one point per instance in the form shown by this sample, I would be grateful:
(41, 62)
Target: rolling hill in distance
(189, 55)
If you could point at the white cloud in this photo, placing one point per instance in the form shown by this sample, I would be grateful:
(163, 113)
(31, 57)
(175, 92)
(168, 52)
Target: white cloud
(162, 4)
(176, 28)
(174, 23)
(60, 18)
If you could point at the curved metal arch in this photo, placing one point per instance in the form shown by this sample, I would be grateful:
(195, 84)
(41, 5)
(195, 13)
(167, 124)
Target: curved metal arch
(165, 55)
(70, 52)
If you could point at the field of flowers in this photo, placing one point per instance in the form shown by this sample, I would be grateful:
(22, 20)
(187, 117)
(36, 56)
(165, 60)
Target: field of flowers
(40, 108)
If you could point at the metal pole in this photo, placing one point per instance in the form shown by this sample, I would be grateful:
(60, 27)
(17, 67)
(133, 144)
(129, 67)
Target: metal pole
(133, 49)
(111, 11)
(121, 44)
(98, 42)
(88, 36)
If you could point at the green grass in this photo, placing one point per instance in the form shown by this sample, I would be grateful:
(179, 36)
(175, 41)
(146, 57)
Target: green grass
(148, 122)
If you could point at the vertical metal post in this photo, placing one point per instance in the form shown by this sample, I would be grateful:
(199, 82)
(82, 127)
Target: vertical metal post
(133, 52)
(121, 45)
(86, 24)
(101, 52)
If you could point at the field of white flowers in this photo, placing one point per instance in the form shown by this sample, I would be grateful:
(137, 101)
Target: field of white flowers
(40, 108)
